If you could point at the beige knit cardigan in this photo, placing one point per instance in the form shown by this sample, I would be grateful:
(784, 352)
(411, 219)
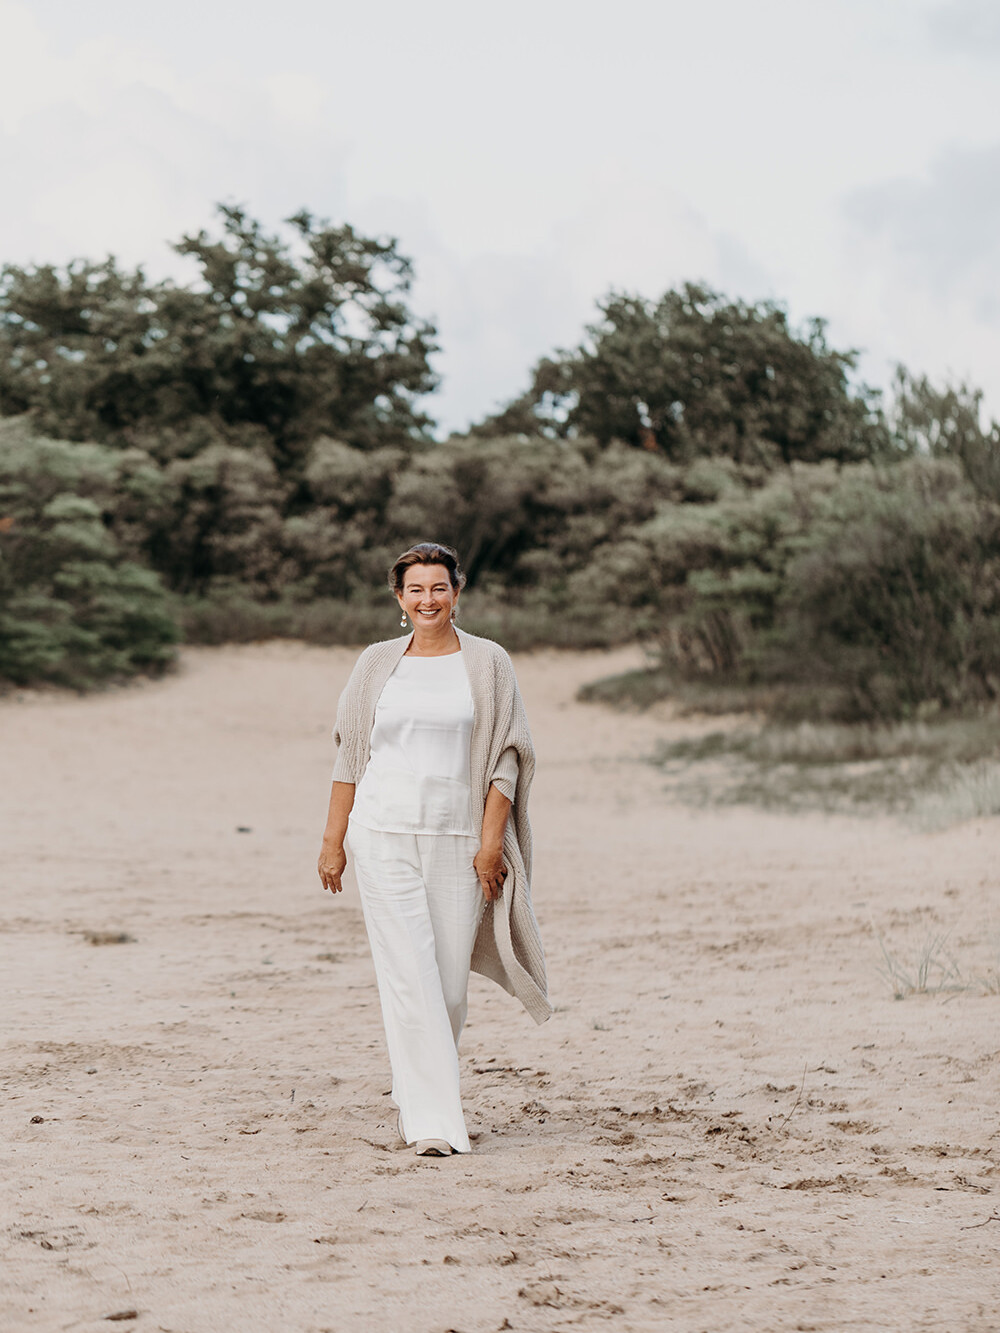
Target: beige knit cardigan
(508, 947)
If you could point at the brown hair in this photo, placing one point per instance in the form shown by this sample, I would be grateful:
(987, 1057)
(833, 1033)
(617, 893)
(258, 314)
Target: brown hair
(426, 553)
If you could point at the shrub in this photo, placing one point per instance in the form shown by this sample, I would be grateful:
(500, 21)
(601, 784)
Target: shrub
(894, 595)
(704, 579)
(873, 592)
(525, 512)
(219, 518)
(73, 611)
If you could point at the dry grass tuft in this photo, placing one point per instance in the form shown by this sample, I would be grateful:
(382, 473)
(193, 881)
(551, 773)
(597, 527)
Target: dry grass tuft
(108, 937)
(935, 770)
(932, 773)
(970, 793)
(934, 970)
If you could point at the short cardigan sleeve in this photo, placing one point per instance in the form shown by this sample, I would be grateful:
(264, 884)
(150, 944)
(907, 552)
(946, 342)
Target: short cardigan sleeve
(352, 745)
(508, 764)
(504, 776)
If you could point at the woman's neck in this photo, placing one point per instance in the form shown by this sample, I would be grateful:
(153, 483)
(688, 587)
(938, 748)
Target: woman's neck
(434, 643)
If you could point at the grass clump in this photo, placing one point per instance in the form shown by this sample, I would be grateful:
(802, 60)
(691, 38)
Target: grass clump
(934, 773)
(968, 793)
(933, 971)
(638, 689)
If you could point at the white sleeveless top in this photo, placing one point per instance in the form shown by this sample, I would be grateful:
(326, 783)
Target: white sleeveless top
(418, 778)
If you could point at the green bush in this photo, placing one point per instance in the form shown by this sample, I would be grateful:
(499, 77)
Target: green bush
(230, 615)
(704, 579)
(220, 519)
(526, 512)
(337, 531)
(863, 592)
(894, 596)
(73, 611)
(947, 423)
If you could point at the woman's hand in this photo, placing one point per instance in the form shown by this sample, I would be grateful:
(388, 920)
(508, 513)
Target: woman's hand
(332, 859)
(489, 866)
(331, 866)
(488, 861)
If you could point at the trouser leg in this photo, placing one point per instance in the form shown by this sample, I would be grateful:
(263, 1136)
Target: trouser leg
(455, 901)
(419, 1027)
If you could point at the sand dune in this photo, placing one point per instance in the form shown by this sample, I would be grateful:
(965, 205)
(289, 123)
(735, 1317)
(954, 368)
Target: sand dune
(728, 1124)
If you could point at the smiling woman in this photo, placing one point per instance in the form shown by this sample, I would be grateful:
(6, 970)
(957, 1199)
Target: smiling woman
(427, 581)
(430, 793)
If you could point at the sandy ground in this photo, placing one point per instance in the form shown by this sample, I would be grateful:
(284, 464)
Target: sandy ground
(728, 1124)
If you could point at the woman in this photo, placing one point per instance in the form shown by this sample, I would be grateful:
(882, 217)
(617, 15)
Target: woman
(430, 791)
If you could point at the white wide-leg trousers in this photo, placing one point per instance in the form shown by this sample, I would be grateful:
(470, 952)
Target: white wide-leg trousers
(422, 903)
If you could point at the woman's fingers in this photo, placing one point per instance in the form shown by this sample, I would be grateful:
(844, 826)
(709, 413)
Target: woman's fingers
(330, 867)
(330, 879)
(492, 884)
(491, 872)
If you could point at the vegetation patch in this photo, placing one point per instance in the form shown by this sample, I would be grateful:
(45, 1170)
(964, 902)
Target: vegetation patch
(242, 457)
(933, 969)
(933, 773)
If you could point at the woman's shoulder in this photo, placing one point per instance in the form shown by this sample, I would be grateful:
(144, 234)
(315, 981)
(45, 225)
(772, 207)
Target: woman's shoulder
(489, 647)
(487, 651)
(379, 652)
(384, 646)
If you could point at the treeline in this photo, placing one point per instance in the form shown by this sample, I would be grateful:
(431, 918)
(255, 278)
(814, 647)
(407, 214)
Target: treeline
(245, 455)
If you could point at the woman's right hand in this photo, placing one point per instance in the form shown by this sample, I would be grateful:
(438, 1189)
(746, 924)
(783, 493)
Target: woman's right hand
(331, 866)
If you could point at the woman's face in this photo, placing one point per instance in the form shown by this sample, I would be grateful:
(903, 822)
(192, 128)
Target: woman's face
(427, 597)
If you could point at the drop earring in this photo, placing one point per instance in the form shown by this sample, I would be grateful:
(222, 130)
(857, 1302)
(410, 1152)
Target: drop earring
(402, 622)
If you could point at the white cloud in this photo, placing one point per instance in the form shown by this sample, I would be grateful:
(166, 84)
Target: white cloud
(942, 232)
(296, 97)
(971, 27)
(925, 255)
(530, 159)
(108, 150)
(499, 311)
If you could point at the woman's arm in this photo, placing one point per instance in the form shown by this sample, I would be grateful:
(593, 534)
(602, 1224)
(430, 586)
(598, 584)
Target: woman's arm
(488, 860)
(332, 857)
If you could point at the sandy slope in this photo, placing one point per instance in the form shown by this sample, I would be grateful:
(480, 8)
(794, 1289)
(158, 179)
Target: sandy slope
(728, 1124)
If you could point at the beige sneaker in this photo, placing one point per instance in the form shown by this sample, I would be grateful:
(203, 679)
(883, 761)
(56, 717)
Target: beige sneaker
(433, 1148)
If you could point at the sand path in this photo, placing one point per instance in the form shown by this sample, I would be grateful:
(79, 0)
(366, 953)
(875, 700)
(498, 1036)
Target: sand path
(729, 1123)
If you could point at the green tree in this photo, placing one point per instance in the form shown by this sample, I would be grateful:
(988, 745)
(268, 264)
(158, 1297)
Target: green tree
(946, 423)
(284, 339)
(73, 610)
(695, 374)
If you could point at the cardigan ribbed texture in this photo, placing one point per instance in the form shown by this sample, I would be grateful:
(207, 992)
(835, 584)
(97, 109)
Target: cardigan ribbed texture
(508, 947)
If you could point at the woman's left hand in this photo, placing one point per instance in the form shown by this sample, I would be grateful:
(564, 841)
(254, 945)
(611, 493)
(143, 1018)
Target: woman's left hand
(489, 866)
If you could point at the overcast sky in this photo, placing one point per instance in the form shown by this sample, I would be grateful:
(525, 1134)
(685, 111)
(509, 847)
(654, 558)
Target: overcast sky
(841, 156)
